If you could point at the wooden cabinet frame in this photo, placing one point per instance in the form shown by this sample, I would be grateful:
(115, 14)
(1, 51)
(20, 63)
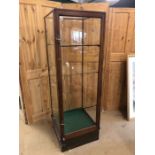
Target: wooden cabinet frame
(90, 133)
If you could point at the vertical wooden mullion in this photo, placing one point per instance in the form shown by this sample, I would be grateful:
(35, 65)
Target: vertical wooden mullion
(82, 58)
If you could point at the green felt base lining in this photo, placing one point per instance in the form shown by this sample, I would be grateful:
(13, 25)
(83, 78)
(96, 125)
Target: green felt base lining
(76, 119)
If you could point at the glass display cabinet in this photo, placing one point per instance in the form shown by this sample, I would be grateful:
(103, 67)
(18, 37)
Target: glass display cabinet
(75, 52)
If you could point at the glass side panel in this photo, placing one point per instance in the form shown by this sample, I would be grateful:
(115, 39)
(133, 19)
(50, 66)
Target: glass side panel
(90, 75)
(52, 67)
(49, 30)
(72, 77)
(90, 78)
(53, 77)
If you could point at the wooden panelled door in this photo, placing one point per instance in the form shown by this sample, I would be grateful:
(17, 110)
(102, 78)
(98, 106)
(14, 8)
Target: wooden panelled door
(121, 31)
(33, 61)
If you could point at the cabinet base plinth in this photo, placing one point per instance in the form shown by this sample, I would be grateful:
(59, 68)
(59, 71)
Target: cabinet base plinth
(77, 141)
